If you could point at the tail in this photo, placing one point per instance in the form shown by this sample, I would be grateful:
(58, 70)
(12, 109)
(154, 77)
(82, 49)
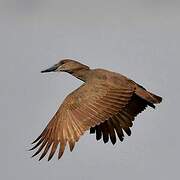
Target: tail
(148, 96)
(156, 99)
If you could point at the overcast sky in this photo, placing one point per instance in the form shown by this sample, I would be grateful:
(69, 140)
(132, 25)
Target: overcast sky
(138, 38)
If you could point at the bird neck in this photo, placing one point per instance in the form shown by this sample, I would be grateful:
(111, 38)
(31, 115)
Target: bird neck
(82, 73)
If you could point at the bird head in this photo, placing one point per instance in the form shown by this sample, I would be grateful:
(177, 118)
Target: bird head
(66, 65)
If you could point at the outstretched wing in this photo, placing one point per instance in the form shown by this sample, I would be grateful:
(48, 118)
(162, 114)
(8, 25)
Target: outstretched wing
(88, 106)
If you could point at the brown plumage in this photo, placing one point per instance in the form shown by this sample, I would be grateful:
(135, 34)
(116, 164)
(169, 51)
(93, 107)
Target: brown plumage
(106, 104)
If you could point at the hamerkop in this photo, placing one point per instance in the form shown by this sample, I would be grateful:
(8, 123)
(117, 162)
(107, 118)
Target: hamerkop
(106, 104)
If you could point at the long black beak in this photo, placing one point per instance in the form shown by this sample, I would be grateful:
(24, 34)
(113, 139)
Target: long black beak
(51, 69)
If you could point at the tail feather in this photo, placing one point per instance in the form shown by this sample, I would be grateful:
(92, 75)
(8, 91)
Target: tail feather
(156, 98)
(149, 97)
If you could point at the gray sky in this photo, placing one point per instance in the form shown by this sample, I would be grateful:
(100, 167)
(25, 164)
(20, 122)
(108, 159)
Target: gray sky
(138, 38)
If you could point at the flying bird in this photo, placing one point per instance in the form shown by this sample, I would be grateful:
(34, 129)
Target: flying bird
(105, 104)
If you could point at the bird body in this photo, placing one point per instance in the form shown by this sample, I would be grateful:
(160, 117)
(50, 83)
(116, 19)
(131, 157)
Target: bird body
(106, 104)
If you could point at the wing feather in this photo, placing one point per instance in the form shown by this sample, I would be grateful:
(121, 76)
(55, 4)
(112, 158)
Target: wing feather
(87, 107)
(111, 132)
(53, 150)
(122, 121)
